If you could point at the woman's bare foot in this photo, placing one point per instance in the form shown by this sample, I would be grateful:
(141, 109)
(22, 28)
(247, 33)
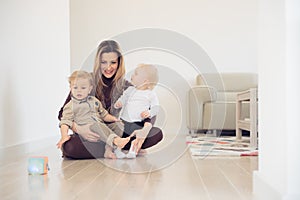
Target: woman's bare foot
(109, 154)
(121, 142)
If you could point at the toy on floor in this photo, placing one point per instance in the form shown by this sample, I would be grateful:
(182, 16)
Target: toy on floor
(38, 165)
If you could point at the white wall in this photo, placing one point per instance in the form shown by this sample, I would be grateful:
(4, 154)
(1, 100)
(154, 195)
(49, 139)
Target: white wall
(278, 176)
(293, 96)
(34, 60)
(227, 30)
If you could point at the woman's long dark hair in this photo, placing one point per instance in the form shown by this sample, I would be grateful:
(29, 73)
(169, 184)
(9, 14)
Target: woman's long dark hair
(107, 46)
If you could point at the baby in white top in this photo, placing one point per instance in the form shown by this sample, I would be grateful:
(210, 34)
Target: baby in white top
(139, 103)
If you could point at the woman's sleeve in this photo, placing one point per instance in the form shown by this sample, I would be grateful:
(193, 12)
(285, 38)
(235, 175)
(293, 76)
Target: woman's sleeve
(125, 96)
(127, 88)
(62, 108)
(127, 84)
(117, 92)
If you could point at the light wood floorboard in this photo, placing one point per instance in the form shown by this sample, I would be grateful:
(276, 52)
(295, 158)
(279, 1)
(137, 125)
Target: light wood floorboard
(212, 178)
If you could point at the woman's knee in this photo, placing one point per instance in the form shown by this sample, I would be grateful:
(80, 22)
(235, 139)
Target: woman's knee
(154, 137)
(68, 149)
(156, 133)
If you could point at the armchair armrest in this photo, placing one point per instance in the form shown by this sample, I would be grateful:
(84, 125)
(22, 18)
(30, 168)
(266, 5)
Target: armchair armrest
(203, 93)
(197, 96)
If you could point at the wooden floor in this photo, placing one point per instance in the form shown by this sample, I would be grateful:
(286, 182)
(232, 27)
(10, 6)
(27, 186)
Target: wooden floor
(212, 178)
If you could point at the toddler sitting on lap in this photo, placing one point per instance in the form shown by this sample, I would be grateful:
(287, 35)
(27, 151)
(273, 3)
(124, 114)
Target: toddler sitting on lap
(84, 109)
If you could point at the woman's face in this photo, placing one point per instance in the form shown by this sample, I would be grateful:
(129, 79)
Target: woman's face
(109, 64)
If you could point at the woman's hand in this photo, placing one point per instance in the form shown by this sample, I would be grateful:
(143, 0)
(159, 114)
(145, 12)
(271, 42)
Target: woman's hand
(85, 132)
(114, 119)
(62, 141)
(137, 144)
(118, 105)
(138, 141)
(111, 118)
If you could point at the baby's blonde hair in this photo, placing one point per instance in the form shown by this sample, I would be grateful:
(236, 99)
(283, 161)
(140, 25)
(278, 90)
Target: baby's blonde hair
(151, 74)
(81, 74)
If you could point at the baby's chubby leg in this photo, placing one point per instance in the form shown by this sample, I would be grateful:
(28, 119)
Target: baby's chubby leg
(108, 136)
(116, 127)
(120, 142)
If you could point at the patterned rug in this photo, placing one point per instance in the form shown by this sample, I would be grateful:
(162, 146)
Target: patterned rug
(202, 146)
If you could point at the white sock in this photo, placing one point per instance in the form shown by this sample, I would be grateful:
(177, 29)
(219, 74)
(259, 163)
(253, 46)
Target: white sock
(119, 154)
(131, 153)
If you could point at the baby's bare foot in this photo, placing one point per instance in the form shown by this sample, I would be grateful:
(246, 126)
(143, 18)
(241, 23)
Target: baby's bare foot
(121, 142)
(109, 154)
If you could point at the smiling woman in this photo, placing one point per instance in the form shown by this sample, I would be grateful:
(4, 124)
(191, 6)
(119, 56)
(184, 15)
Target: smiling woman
(109, 64)
(109, 82)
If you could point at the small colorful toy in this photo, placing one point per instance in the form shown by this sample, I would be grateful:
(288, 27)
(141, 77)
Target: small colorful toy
(38, 165)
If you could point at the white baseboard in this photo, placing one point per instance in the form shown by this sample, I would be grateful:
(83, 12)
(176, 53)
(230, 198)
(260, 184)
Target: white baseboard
(291, 197)
(262, 190)
(12, 153)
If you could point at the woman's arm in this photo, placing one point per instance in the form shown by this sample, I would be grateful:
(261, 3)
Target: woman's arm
(123, 99)
(116, 93)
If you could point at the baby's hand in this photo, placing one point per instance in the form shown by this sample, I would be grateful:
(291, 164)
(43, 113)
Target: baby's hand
(145, 114)
(115, 119)
(118, 105)
(62, 141)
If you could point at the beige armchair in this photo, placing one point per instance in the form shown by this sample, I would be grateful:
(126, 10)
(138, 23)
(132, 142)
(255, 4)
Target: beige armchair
(212, 102)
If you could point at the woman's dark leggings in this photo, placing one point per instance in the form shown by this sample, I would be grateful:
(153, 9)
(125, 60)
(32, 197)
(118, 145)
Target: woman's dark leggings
(154, 136)
(79, 148)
